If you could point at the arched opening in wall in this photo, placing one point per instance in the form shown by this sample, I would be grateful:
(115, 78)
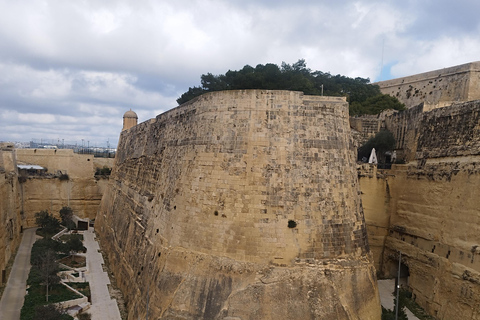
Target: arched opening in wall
(391, 271)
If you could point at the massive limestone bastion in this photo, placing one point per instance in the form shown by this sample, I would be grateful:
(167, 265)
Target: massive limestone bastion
(240, 205)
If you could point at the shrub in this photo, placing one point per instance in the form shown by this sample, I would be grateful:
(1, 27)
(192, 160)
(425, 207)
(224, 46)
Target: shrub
(382, 142)
(48, 223)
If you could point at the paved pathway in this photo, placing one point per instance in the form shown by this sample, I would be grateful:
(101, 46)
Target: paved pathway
(103, 307)
(386, 287)
(14, 294)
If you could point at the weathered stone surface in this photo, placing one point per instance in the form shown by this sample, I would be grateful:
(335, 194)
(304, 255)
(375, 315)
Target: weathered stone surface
(200, 202)
(431, 214)
(437, 88)
(10, 217)
(82, 191)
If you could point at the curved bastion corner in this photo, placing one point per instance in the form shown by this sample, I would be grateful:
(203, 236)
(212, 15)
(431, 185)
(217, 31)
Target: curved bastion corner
(240, 205)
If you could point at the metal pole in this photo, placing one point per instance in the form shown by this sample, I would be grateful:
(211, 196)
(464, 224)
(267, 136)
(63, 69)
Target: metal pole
(148, 297)
(398, 285)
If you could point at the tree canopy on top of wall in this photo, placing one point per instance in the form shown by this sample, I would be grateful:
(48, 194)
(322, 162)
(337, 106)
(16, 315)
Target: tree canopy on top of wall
(363, 97)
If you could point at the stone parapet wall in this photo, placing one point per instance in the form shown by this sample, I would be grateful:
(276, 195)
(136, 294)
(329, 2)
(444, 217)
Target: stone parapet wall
(450, 132)
(437, 88)
(228, 196)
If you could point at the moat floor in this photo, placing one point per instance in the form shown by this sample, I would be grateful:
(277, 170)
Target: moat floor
(14, 294)
(385, 288)
(103, 307)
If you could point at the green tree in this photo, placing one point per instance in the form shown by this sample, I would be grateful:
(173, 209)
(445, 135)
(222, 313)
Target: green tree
(363, 97)
(66, 214)
(383, 141)
(49, 311)
(48, 223)
(375, 105)
(40, 247)
(48, 267)
(74, 245)
(84, 316)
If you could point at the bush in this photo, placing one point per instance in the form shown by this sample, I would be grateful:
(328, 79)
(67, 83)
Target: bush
(382, 142)
(48, 223)
(84, 316)
(105, 171)
(66, 214)
(44, 271)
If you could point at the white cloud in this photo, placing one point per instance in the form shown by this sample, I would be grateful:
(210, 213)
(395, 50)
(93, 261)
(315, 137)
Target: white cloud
(84, 63)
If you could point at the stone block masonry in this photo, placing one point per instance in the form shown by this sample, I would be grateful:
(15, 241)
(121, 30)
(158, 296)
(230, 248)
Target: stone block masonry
(240, 205)
(437, 88)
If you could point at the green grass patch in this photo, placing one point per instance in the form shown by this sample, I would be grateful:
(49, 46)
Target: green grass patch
(41, 233)
(82, 287)
(74, 261)
(36, 296)
(407, 300)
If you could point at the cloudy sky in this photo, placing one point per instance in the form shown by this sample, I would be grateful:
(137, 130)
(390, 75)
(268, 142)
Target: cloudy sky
(70, 69)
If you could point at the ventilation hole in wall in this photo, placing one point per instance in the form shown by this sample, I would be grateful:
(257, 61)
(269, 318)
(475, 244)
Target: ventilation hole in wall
(157, 230)
(448, 254)
(159, 254)
(224, 215)
(88, 159)
(138, 273)
(141, 268)
(161, 195)
(433, 249)
(177, 190)
(150, 198)
(292, 224)
(215, 212)
(174, 207)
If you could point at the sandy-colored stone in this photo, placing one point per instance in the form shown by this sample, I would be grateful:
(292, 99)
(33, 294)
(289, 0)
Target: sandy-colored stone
(10, 217)
(437, 88)
(430, 208)
(199, 203)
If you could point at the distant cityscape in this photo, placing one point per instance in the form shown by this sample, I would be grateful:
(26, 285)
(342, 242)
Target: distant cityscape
(84, 147)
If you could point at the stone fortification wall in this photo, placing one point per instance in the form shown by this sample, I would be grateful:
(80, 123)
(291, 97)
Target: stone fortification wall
(82, 191)
(366, 125)
(437, 88)
(429, 210)
(430, 215)
(450, 132)
(240, 205)
(10, 217)
(405, 128)
(444, 132)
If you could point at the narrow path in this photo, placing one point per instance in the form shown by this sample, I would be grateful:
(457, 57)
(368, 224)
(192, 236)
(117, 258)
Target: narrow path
(103, 307)
(14, 294)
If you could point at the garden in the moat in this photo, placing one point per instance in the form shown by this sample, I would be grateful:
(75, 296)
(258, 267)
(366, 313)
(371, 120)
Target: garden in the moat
(56, 286)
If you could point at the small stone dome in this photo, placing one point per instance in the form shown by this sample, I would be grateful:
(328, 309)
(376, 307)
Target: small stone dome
(130, 114)
(129, 120)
